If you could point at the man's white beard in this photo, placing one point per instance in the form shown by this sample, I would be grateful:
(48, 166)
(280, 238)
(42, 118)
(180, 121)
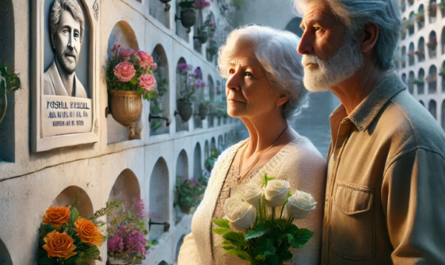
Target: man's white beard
(342, 65)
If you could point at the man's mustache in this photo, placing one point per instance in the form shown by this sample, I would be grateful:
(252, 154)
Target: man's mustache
(311, 59)
(70, 53)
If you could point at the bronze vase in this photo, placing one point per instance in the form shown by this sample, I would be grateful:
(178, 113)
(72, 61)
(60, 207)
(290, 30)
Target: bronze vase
(126, 106)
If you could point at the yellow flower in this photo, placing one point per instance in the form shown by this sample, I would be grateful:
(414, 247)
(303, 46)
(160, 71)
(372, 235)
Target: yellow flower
(59, 245)
(88, 232)
(56, 216)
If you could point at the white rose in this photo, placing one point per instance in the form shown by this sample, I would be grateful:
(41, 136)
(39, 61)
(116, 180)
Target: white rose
(276, 192)
(300, 204)
(251, 193)
(240, 214)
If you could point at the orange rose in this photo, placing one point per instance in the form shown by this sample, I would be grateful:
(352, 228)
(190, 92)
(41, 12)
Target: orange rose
(88, 232)
(59, 245)
(56, 216)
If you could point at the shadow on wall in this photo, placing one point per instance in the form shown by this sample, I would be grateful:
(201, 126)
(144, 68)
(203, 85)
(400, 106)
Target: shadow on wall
(5, 258)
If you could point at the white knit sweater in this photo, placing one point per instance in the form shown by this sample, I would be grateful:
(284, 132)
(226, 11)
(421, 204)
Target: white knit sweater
(298, 162)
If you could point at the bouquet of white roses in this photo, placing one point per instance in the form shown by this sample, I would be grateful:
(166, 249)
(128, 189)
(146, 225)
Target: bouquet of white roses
(258, 223)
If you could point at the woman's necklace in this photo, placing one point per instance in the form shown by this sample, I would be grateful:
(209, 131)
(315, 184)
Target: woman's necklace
(240, 177)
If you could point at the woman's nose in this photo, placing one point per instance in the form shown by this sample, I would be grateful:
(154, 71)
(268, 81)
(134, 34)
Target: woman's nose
(233, 83)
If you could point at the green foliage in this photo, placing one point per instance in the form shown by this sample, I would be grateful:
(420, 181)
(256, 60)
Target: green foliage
(187, 4)
(190, 192)
(224, 223)
(12, 80)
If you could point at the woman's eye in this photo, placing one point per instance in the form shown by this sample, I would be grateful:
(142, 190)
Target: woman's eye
(247, 73)
(231, 71)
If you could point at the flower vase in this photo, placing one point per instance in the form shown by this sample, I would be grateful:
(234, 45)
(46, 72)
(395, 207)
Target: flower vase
(185, 109)
(185, 208)
(126, 106)
(188, 17)
(203, 111)
(116, 261)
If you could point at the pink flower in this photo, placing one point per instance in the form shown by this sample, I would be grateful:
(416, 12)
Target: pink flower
(155, 65)
(145, 59)
(139, 207)
(124, 54)
(124, 71)
(147, 82)
(115, 47)
(115, 244)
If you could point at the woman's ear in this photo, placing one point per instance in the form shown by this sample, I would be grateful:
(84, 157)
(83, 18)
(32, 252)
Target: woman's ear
(281, 100)
(369, 37)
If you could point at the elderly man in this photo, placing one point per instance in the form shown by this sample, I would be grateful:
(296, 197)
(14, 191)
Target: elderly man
(66, 29)
(385, 190)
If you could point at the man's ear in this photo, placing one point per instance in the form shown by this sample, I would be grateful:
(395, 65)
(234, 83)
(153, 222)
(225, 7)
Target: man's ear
(368, 39)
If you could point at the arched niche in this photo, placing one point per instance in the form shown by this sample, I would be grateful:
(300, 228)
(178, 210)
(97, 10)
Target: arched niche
(411, 54)
(7, 58)
(421, 82)
(197, 162)
(182, 170)
(226, 140)
(123, 34)
(220, 144)
(67, 196)
(411, 23)
(158, 198)
(403, 56)
(443, 115)
(182, 80)
(178, 246)
(421, 102)
(432, 108)
(432, 45)
(411, 78)
(199, 29)
(160, 11)
(432, 11)
(199, 97)
(442, 74)
(163, 263)
(432, 80)
(180, 30)
(420, 52)
(420, 17)
(442, 40)
(5, 257)
(403, 5)
(160, 106)
(206, 150)
(181, 175)
(403, 77)
(404, 28)
(125, 188)
(213, 148)
(211, 116)
(294, 26)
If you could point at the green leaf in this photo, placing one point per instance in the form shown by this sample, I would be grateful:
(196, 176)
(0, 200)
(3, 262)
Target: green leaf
(241, 254)
(286, 256)
(227, 245)
(301, 238)
(258, 231)
(275, 259)
(221, 231)
(44, 261)
(235, 237)
(221, 222)
(266, 247)
(74, 203)
(74, 215)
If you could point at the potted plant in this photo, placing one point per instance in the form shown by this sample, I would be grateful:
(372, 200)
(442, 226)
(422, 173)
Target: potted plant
(432, 43)
(442, 7)
(8, 82)
(432, 9)
(418, 81)
(129, 76)
(204, 108)
(411, 53)
(188, 13)
(184, 103)
(442, 71)
(410, 2)
(420, 17)
(190, 194)
(127, 227)
(212, 48)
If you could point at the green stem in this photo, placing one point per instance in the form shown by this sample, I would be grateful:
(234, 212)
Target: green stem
(273, 214)
(282, 208)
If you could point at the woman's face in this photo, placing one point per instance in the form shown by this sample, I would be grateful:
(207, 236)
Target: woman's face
(248, 91)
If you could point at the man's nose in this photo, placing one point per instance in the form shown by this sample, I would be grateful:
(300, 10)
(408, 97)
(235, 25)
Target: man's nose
(70, 41)
(305, 46)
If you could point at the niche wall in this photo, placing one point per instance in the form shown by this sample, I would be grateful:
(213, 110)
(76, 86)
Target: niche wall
(158, 200)
(182, 80)
(160, 11)
(181, 175)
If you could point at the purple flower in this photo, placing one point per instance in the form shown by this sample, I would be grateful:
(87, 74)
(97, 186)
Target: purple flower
(198, 73)
(139, 207)
(135, 243)
(115, 244)
(183, 67)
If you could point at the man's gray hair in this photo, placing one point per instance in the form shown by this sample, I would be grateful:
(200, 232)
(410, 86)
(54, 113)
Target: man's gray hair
(356, 13)
(276, 51)
(56, 12)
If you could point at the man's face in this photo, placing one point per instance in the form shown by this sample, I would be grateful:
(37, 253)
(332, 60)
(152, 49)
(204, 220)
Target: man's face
(330, 54)
(67, 42)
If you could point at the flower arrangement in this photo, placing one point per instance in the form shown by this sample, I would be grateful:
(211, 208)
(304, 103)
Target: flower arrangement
(131, 71)
(432, 43)
(189, 82)
(432, 9)
(418, 81)
(190, 193)
(420, 17)
(258, 225)
(67, 238)
(411, 53)
(127, 228)
(410, 2)
(419, 52)
(198, 4)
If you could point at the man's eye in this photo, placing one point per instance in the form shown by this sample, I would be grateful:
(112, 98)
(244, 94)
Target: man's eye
(65, 31)
(76, 35)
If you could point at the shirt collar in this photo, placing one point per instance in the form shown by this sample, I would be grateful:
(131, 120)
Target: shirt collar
(364, 114)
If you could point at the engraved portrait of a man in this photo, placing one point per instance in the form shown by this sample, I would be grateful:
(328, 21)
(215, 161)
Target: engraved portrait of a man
(66, 25)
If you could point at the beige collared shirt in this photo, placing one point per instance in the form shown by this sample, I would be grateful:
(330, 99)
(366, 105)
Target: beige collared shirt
(53, 85)
(385, 192)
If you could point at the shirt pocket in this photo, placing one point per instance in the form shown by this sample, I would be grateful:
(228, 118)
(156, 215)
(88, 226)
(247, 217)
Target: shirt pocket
(352, 224)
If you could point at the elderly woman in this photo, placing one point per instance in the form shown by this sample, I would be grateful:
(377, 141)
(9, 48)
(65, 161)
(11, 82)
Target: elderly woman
(264, 89)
